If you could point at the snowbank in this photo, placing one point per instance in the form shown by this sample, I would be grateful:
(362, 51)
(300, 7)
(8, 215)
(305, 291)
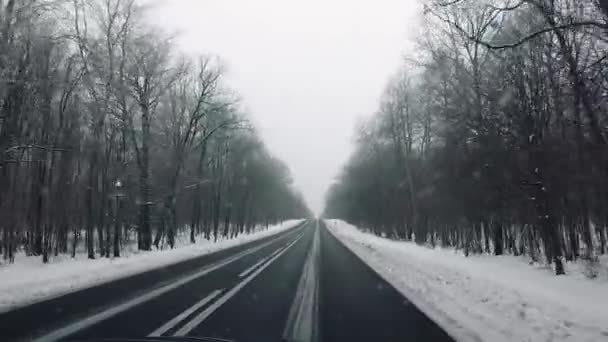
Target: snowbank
(487, 298)
(28, 280)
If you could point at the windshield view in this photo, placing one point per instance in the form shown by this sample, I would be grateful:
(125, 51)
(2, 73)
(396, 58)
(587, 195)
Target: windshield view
(304, 170)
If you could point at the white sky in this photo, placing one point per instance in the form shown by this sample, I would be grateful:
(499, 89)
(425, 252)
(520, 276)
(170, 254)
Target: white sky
(307, 70)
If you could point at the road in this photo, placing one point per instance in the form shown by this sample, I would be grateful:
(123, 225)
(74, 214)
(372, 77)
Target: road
(299, 285)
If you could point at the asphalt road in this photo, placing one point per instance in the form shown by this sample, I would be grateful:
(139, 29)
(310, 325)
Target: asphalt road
(300, 285)
(358, 305)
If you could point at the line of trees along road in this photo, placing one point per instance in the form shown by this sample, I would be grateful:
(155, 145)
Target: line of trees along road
(108, 132)
(492, 137)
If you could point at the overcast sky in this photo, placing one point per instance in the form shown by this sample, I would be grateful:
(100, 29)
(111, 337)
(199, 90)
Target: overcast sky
(307, 70)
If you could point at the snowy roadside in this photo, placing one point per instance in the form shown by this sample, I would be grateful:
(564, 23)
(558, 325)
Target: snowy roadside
(28, 280)
(487, 298)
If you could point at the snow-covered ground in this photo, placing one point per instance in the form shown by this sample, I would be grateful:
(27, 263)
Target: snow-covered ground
(488, 298)
(28, 280)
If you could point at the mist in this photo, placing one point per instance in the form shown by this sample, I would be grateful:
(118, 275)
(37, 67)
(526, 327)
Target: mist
(306, 70)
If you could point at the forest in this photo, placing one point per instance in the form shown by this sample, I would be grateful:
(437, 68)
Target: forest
(491, 137)
(110, 135)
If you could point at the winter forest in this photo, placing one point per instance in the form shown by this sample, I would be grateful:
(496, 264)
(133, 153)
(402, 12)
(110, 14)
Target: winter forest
(110, 136)
(492, 137)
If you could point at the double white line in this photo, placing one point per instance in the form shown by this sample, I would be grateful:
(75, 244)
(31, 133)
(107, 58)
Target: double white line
(175, 321)
(198, 319)
(87, 322)
(303, 319)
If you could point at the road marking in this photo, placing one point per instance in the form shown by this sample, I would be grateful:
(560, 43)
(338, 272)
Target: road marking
(302, 321)
(102, 316)
(172, 323)
(250, 269)
(196, 321)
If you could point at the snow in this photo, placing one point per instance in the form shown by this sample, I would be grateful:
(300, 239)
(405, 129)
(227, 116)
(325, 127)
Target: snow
(28, 280)
(488, 298)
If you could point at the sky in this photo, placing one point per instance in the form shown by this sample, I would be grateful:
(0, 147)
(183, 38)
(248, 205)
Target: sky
(307, 70)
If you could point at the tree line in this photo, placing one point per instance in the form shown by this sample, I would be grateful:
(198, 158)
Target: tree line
(109, 133)
(491, 138)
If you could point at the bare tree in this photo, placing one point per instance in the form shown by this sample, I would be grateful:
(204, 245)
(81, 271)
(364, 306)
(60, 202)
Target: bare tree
(510, 93)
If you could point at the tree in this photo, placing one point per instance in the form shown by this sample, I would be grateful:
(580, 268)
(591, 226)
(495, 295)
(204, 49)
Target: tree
(507, 152)
(108, 133)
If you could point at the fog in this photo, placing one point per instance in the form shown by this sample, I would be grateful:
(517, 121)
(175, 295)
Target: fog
(306, 70)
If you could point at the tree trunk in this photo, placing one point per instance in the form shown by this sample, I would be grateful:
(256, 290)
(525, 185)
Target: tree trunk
(602, 232)
(145, 230)
(226, 223)
(498, 238)
(90, 215)
(192, 235)
(117, 232)
(216, 218)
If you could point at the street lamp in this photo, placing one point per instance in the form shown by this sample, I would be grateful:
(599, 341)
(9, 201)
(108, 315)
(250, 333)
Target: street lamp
(117, 195)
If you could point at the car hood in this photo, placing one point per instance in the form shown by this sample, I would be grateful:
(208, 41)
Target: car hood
(162, 339)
